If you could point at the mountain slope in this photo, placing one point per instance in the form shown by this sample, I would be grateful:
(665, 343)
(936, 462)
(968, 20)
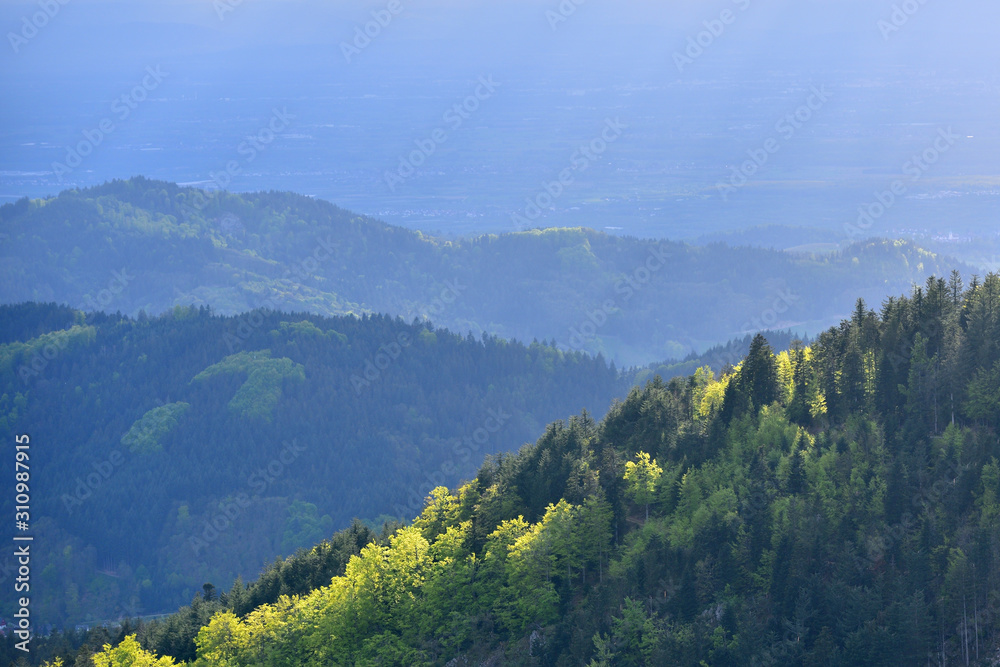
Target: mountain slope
(191, 447)
(835, 505)
(139, 244)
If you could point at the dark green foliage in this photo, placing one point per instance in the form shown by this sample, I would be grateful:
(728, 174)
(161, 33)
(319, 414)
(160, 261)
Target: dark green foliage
(870, 538)
(756, 383)
(215, 444)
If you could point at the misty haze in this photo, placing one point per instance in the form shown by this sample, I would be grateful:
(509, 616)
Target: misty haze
(538, 332)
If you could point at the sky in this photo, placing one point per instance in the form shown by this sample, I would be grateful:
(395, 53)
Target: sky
(734, 65)
(97, 35)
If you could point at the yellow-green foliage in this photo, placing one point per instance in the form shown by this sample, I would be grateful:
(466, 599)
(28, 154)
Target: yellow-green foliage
(579, 256)
(305, 329)
(129, 654)
(641, 477)
(259, 395)
(786, 384)
(332, 625)
(440, 511)
(711, 394)
(48, 345)
(415, 585)
(147, 432)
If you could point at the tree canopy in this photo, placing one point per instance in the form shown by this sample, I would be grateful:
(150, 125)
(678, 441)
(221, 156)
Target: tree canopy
(867, 536)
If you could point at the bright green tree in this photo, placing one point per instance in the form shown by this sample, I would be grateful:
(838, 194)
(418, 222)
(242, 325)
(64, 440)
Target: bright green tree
(641, 476)
(129, 654)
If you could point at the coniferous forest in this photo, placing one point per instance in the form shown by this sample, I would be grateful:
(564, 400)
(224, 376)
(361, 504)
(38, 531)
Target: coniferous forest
(833, 504)
(545, 333)
(189, 447)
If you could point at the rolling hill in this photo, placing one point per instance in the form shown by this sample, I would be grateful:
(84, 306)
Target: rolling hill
(143, 245)
(832, 505)
(192, 447)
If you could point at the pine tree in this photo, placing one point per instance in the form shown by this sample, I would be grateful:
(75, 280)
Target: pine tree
(756, 385)
(798, 407)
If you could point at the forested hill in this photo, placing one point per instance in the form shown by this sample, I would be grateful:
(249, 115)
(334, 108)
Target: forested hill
(190, 447)
(140, 244)
(834, 505)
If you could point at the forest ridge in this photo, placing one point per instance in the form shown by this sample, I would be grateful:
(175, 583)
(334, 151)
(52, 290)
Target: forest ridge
(219, 443)
(141, 245)
(833, 504)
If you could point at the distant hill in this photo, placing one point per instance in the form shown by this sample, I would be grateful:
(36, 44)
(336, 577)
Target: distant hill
(779, 237)
(148, 245)
(186, 448)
